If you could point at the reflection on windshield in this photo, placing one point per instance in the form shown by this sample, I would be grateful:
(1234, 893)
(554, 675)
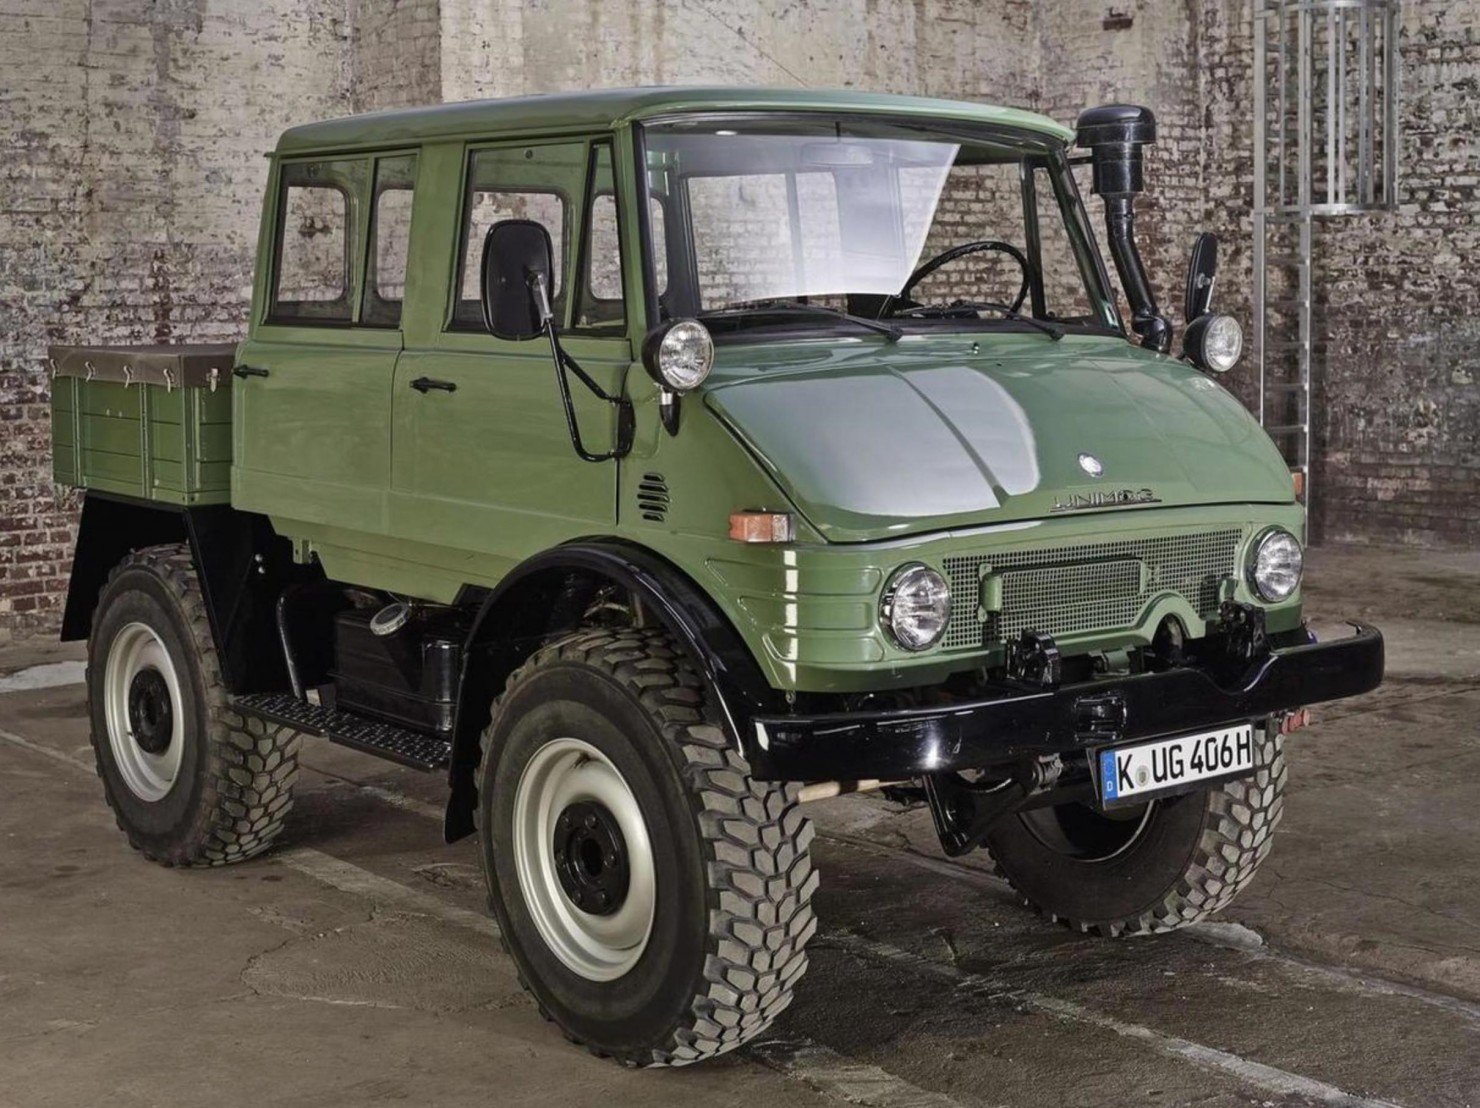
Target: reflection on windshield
(847, 216)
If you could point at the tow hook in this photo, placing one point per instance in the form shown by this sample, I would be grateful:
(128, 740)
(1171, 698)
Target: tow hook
(1034, 660)
(964, 812)
(1241, 630)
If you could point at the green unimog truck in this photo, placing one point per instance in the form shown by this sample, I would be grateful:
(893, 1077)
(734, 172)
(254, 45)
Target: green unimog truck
(654, 462)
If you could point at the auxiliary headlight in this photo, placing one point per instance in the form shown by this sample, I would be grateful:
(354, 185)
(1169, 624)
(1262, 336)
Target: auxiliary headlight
(1213, 342)
(916, 607)
(678, 355)
(1275, 564)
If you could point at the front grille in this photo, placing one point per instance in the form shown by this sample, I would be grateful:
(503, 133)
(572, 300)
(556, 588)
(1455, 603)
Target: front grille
(1092, 587)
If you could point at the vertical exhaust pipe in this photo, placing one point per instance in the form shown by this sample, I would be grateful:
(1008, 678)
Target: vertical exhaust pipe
(1114, 135)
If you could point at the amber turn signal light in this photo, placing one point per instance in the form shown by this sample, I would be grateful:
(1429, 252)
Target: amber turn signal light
(1297, 478)
(762, 527)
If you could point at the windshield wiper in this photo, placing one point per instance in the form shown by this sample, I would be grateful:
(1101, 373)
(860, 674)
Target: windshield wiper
(942, 311)
(1052, 330)
(794, 307)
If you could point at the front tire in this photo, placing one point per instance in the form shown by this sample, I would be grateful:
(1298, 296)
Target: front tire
(655, 898)
(191, 781)
(1154, 867)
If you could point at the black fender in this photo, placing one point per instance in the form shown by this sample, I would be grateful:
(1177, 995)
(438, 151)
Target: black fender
(243, 565)
(548, 594)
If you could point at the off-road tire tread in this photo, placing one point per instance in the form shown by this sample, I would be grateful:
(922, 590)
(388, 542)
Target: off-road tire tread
(1237, 834)
(754, 838)
(252, 763)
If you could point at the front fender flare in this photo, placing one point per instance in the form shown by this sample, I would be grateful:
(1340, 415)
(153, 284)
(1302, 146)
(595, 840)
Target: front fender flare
(541, 597)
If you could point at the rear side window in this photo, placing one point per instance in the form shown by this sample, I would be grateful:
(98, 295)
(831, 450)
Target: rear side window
(315, 249)
(516, 182)
(390, 234)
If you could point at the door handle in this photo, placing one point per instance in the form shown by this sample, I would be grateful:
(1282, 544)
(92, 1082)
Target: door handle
(248, 371)
(425, 385)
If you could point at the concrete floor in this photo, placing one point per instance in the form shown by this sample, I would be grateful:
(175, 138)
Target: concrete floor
(355, 964)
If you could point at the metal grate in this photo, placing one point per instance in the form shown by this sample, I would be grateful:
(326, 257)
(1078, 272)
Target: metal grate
(1077, 589)
(1325, 108)
(410, 748)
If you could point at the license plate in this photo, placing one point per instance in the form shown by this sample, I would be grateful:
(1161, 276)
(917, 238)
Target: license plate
(1140, 772)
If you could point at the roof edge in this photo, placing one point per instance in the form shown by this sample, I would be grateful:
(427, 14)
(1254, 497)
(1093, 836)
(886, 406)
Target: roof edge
(611, 108)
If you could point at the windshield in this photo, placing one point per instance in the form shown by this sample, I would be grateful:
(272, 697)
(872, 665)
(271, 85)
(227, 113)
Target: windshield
(773, 222)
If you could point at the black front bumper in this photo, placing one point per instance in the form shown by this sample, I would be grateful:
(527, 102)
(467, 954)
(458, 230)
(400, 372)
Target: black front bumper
(975, 734)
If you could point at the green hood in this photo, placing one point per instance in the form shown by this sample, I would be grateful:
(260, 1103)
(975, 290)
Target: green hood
(875, 441)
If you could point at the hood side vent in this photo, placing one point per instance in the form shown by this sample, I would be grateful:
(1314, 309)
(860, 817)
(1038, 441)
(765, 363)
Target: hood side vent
(652, 498)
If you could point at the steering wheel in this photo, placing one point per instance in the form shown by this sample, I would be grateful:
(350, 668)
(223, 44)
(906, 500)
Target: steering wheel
(945, 257)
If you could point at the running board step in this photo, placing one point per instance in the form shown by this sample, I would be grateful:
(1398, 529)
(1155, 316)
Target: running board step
(385, 740)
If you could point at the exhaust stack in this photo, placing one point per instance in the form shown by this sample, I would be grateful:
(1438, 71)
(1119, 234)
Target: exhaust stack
(1114, 135)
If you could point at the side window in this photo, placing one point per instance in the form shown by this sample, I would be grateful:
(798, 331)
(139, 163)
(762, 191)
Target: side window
(600, 305)
(314, 257)
(390, 234)
(521, 182)
(604, 276)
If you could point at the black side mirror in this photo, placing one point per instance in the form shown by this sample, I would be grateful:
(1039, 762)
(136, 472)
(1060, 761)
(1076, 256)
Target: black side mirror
(517, 275)
(1202, 271)
(518, 263)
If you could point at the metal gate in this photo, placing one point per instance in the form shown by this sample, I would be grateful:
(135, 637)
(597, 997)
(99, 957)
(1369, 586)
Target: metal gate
(1325, 144)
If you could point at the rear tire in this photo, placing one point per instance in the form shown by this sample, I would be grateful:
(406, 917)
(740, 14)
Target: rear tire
(191, 781)
(1153, 868)
(655, 898)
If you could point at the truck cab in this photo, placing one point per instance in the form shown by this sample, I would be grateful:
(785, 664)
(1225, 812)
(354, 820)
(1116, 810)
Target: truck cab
(653, 462)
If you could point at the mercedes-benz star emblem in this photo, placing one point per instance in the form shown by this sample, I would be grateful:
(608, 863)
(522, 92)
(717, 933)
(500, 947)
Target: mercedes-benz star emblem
(1091, 465)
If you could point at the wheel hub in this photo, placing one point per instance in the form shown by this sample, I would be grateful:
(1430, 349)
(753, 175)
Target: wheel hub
(151, 712)
(579, 836)
(591, 858)
(144, 712)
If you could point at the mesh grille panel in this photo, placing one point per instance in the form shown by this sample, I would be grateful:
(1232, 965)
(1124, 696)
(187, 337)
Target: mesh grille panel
(1092, 587)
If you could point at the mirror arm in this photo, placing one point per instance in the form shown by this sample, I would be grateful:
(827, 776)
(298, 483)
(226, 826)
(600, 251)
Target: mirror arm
(565, 365)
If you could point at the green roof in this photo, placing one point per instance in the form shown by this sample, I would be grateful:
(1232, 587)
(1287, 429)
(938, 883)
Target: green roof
(608, 108)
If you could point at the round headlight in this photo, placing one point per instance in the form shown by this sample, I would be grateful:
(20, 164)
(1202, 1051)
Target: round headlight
(1275, 565)
(916, 607)
(678, 355)
(1214, 342)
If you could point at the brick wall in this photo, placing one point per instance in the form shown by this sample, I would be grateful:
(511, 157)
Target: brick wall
(134, 131)
(129, 200)
(394, 53)
(1397, 387)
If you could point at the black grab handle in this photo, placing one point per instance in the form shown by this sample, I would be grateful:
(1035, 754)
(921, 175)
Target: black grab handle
(427, 384)
(248, 371)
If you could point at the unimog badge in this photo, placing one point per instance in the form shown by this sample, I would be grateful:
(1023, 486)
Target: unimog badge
(1113, 498)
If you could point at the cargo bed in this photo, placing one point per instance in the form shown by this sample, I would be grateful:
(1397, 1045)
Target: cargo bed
(146, 421)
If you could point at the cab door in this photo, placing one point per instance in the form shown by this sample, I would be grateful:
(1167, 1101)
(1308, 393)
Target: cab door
(312, 397)
(483, 470)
